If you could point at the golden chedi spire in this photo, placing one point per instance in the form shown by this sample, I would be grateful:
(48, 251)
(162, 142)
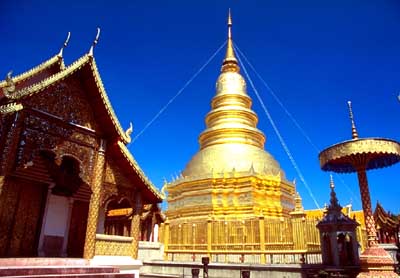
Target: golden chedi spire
(231, 139)
(230, 63)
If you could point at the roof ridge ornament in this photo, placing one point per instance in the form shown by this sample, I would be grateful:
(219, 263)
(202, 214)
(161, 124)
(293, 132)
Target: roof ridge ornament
(96, 40)
(354, 132)
(9, 89)
(129, 131)
(60, 54)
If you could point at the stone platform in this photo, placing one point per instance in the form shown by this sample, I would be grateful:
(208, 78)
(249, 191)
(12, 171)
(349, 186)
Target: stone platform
(158, 269)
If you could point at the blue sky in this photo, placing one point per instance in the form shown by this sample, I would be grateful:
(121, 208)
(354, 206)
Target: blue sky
(315, 55)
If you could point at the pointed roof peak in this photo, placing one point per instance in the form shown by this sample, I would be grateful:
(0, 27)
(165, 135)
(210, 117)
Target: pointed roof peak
(334, 203)
(353, 126)
(230, 62)
(60, 54)
(96, 40)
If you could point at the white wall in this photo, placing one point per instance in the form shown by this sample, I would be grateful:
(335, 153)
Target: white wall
(57, 216)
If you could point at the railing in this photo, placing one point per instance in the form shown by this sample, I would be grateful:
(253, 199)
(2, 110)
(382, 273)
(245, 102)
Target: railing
(253, 240)
(270, 257)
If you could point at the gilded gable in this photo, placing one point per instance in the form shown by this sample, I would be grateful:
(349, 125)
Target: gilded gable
(114, 174)
(66, 100)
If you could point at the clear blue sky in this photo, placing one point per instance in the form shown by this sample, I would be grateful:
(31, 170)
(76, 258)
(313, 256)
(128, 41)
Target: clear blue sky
(315, 55)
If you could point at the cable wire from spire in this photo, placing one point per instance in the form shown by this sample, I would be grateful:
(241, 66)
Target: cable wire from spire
(278, 100)
(282, 141)
(302, 131)
(177, 94)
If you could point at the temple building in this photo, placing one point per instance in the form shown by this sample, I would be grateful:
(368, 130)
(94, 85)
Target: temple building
(65, 166)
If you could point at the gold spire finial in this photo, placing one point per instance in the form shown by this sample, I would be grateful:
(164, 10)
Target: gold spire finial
(60, 54)
(96, 40)
(331, 183)
(353, 126)
(230, 63)
(229, 24)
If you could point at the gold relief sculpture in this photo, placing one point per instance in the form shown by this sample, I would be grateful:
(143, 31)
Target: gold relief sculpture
(107, 245)
(41, 134)
(53, 100)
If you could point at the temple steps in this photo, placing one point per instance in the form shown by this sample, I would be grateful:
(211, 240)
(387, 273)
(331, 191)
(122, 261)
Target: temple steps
(87, 275)
(56, 267)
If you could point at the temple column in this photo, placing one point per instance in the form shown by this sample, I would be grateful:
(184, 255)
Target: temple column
(94, 205)
(261, 223)
(66, 232)
(135, 225)
(46, 209)
(166, 238)
(366, 205)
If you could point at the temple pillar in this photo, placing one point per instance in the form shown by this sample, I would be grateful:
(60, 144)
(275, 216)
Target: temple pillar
(94, 205)
(46, 209)
(66, 232)
(135, 225)
(101, 221)
(166, 238)
(261, 223)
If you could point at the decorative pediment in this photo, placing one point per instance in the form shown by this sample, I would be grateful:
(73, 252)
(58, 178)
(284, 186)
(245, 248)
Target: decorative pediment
(68, 101)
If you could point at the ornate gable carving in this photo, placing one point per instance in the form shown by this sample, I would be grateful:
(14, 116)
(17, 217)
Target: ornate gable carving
(68, 101)
(114, 175)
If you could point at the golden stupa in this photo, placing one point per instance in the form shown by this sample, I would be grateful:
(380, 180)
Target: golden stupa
(232, 201)
(232, 175)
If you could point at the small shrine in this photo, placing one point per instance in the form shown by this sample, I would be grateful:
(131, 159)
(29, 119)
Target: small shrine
(339, 245)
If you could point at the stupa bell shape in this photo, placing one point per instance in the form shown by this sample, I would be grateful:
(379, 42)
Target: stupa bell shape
(231, 175)
(231, 139)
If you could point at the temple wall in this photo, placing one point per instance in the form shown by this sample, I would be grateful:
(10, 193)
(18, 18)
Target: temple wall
(150, 251)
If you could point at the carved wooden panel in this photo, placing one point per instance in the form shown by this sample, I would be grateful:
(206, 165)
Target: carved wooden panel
(20, 217)
(41, 134)
(116, 183)
(67, 100)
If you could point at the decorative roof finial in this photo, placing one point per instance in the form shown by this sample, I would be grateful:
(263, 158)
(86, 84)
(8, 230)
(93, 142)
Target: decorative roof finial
(10, 85)
(230, 63)
(60, 54)
(331, 183)
(229, 24)
(334, 204)
(353, 126)
(129, 131)
(96, 40)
